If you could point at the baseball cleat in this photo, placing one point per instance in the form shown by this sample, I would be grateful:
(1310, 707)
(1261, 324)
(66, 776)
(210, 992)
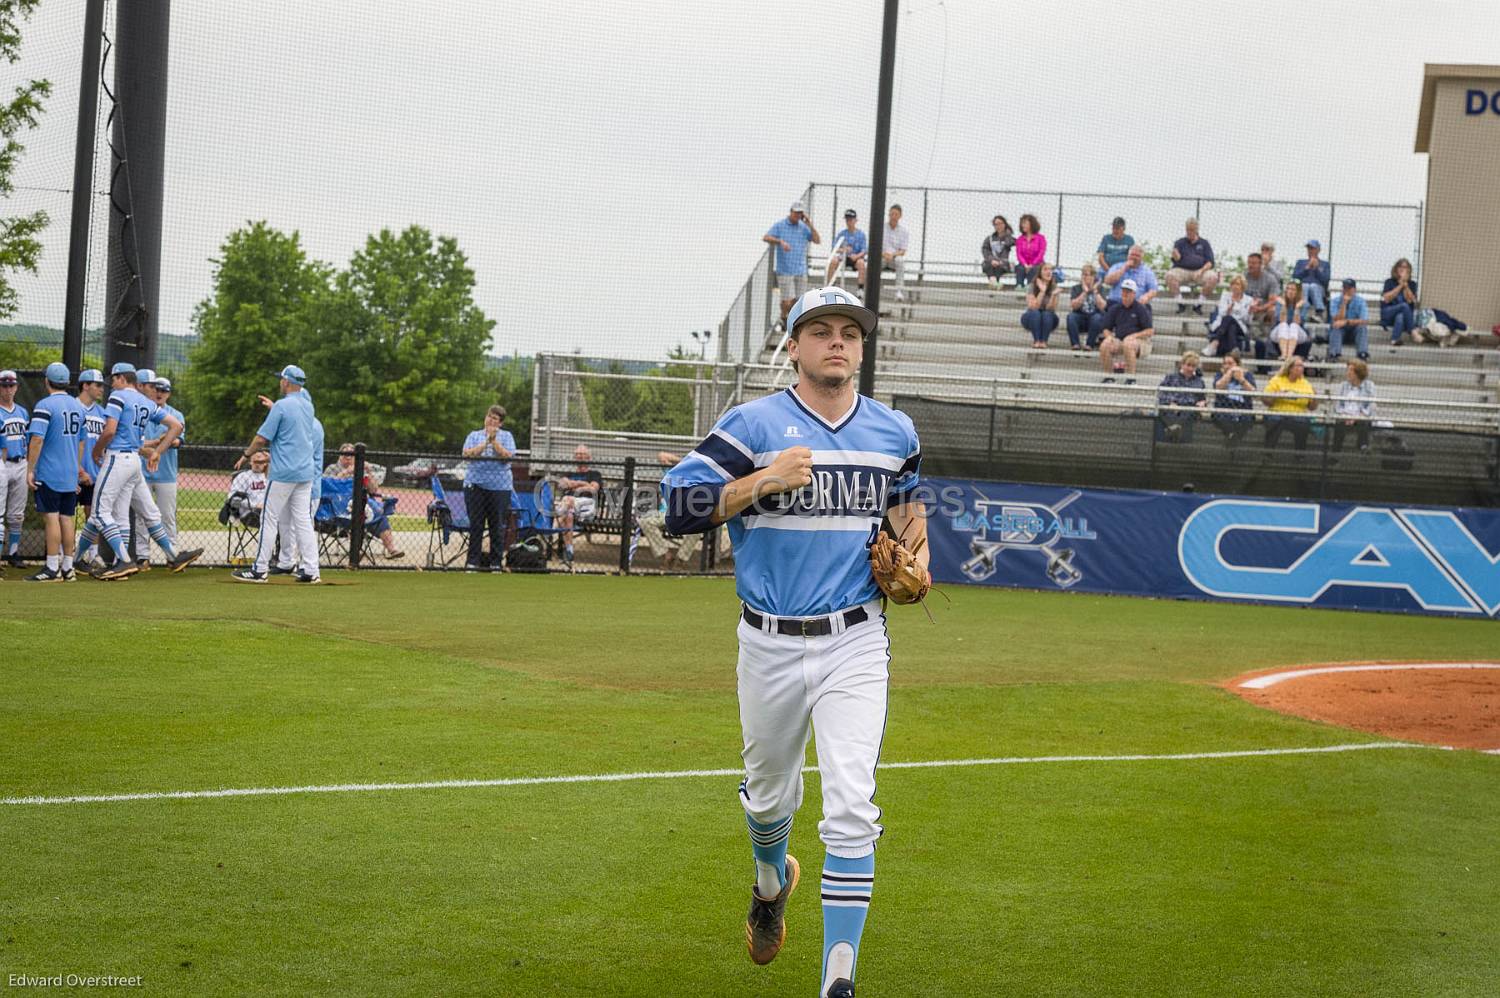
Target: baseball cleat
(143, 565)
(113, 573)
(307, 580)
(841, 988)
(247, 575)
(14, 561)
(278, 570)
(68, 575)
(765, 926)
(45, 575)
(184, 558)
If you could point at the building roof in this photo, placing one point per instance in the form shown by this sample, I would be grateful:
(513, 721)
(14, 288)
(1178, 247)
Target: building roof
(1445, 71)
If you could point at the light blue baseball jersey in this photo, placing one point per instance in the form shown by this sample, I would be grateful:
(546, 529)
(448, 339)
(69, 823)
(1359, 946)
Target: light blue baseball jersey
(166, 468)
(289, 428)
(802, 553)
(133, 414)
(13, 422)
(852, 242)
(58, 421)
(93, 426)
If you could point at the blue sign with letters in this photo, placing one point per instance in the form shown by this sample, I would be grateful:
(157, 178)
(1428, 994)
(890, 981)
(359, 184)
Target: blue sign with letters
(1327, 554)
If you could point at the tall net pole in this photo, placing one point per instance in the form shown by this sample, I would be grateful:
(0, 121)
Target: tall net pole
(877, 188)
(83, 183)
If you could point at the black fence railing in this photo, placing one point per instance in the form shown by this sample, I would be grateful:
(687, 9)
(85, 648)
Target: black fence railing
(1239, 452)
(409, 510)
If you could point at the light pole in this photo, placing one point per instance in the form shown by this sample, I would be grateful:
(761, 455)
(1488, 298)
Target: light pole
(701, 338)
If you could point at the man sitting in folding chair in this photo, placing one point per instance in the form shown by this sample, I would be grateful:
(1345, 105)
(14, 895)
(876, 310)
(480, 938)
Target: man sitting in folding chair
(241, 509)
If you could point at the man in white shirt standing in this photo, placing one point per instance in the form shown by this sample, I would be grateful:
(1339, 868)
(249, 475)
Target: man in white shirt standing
(893, 253)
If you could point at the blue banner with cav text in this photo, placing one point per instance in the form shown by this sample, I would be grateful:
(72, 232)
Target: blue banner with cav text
(1365, 556)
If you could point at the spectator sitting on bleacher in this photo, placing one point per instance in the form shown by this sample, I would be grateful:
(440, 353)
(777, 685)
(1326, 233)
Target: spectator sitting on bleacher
(1398, 301)
(1040, 318)
(1355, 406)
(1276, 268)
(1134, 270)
(1350, 314)
(893, 250)
(1291, 399)
(1088, 305)
(790, 236)
(1031, 250)
(850, 248)
(578, 497)
(1289, 335)
(1315, 275)
(1127, 331)
(376, 521)
(996, 251)
(247, 492)
(1192, 263)
(1182, 388)
(1232, 406)
(653, 526)
(1114, 246)
(1264, 289)
(1230, 326)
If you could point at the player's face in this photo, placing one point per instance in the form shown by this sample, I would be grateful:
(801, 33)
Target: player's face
(828, 350)
(90, 391)
(7, 393)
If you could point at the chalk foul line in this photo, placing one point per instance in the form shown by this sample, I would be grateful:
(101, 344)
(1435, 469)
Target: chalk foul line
(682, 774)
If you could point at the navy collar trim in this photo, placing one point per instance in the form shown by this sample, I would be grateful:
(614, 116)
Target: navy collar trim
(834, 427)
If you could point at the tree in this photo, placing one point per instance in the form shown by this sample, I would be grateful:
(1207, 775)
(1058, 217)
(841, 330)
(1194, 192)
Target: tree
(395, 355)
(509, 383)
(255, 322)
(20, 247)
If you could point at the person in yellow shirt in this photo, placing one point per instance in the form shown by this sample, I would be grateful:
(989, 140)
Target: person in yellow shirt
(1291, 401)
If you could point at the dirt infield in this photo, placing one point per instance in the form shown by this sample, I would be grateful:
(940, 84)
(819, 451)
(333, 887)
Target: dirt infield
(1453, 704)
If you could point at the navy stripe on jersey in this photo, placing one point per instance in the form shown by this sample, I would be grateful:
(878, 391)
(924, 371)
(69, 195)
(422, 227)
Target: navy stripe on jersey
(725, 452)
(833, 427)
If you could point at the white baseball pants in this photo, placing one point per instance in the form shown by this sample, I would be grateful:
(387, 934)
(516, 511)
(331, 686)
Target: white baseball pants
(286, 537)
(164, 494)
(287, 501)
(12, 497)
(120, 487)
(837, 683)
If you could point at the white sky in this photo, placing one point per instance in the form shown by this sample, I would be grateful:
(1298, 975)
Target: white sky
(609, 169)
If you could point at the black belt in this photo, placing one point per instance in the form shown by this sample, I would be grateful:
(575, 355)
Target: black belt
(806, 627)
(14, 460)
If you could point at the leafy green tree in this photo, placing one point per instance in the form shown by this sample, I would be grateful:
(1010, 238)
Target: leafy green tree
(396, 353)
(255, 322)
(509, 384)
(20, 247)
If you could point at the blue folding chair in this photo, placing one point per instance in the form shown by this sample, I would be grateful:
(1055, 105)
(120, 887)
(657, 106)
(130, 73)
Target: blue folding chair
(533, 512)
(448, 517)
(334, 520)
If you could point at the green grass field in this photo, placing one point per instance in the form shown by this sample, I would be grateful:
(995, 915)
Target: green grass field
(1356, 873)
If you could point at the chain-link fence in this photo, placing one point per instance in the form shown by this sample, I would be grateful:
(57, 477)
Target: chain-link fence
(429, 511)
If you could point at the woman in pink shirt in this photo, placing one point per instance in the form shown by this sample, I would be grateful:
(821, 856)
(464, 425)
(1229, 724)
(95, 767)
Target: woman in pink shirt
(1031, 250)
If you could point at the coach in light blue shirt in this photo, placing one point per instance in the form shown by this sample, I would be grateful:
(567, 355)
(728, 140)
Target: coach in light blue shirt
(487, 488)
(288, 431)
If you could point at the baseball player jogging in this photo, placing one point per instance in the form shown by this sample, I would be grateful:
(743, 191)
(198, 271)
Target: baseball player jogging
(13, 421)
(119, 452)
(805, 478)
(52, 458)
(289, 431)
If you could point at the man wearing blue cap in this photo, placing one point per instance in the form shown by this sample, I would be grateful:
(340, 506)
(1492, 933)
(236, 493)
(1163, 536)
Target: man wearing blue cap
(90, 394)
(289, 432)
(119, 450)
(56, 432)
(163, 481)
(13, 421)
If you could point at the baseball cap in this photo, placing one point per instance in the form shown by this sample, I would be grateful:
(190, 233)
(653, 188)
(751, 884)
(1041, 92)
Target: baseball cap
(1314, 244)
(831, 300)
(1118, 221)
(8, 378)
(1127, 285)
(164, 384)
(1350, 282)
(798, 206)
(123, 367)
(850, 213)
(145, 376)
(292, 373)
(57, 373)
(92, 374)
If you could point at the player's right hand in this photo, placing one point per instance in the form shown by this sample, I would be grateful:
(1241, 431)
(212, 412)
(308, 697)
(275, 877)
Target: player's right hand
(791, 470)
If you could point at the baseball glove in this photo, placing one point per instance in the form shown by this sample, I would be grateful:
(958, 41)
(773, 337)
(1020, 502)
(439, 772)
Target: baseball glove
(897, 572)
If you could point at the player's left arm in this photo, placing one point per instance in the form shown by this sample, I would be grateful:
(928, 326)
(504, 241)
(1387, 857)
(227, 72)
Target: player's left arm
(908, 521)
(174, 430)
